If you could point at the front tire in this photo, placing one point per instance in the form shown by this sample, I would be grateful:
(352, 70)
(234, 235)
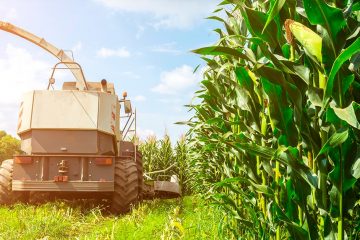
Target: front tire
(126, 189)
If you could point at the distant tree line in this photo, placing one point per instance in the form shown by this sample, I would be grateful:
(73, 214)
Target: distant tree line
(8, 146)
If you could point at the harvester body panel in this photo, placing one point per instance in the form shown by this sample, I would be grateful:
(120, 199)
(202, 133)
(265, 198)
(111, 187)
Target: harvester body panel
(69, 127)
(69, 109)
(81, 173)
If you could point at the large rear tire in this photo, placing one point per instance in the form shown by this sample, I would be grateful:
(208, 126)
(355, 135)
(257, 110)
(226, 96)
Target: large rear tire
(7, 196)
(126, 189)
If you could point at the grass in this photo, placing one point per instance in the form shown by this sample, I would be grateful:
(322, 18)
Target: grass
(186, 218)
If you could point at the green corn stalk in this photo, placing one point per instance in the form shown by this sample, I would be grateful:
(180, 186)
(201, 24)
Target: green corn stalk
(160, 154)
(299, 166)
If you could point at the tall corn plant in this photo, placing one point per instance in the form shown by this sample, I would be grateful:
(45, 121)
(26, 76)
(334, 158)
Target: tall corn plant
(150, 151)
(274, 139)
(182, 166)
(160, 154)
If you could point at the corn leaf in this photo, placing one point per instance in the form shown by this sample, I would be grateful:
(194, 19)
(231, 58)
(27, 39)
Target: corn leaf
(348, 114)
(255, 21)
(281, 115)
(219, 51)
(334, 141)
(339, 61)
(268, 153)
(355, 168)
(319, 12)
(276, 6)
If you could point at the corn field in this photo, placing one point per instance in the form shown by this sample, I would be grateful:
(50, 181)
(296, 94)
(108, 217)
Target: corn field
(160, 154)
(274, 138)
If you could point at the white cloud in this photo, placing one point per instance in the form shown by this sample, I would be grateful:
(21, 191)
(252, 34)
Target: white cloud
(173, 100)
(140, 31)
(107, 52)
(176, 80)
(150, 67)
(139, 98)
(166, 48)
(19, 73)
(145, 133)
(166, 13)
(130, 74)
(7, 14)
(77, 47)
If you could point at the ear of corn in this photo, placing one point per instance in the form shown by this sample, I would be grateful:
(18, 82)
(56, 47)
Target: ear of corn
(311, 41)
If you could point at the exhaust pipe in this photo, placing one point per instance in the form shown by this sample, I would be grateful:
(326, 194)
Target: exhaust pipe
(104, 85)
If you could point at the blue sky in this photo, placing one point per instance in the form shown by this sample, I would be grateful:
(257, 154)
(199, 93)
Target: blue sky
(142, 46)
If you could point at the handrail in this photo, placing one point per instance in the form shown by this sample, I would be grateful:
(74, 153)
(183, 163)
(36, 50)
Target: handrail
(130, 125)
(127, 122)
(65, 63)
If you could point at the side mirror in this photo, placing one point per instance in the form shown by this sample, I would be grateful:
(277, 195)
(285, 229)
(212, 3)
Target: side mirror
(127, 105)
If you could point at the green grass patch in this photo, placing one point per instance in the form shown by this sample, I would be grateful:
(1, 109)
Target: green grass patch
(186, 218)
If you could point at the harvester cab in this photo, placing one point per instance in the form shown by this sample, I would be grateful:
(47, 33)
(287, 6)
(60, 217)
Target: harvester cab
(75, 142)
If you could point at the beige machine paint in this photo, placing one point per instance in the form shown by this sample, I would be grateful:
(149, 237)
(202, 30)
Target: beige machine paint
(70, 110)
(92, 86)
(25, 112)
(64, 110)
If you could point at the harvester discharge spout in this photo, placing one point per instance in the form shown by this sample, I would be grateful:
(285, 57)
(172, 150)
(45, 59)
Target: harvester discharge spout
(58, 53)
